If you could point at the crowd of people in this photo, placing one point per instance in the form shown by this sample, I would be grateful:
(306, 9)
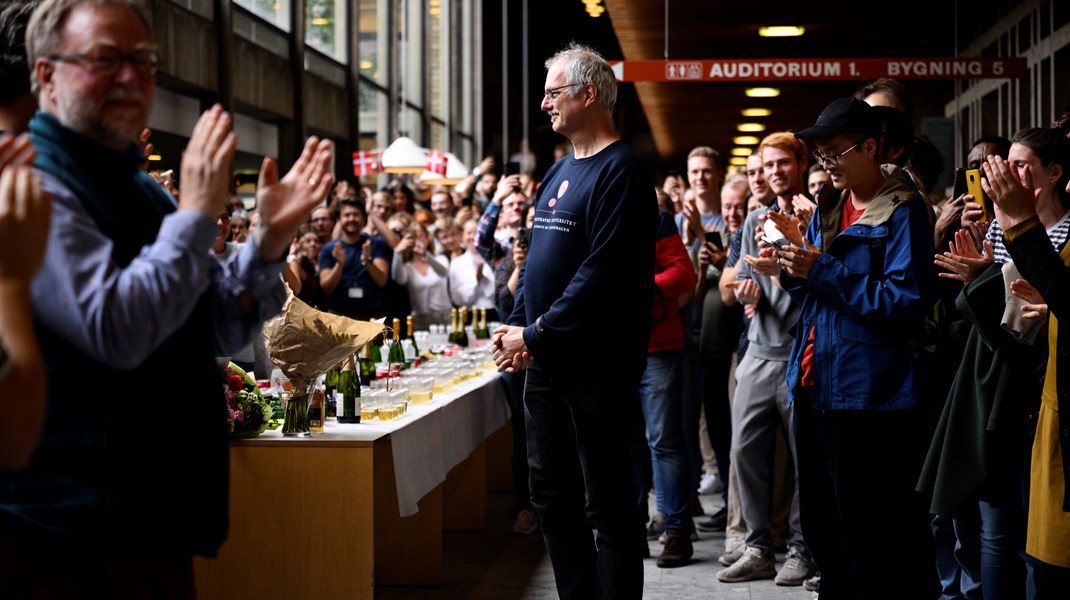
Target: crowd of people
(868, 366)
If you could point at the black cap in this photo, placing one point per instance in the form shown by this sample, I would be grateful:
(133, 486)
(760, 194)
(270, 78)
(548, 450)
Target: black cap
(845, 115)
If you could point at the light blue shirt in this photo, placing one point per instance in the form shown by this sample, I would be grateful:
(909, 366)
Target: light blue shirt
(119, 315)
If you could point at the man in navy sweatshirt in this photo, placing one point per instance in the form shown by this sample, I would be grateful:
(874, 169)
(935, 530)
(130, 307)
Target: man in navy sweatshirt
(580, 327)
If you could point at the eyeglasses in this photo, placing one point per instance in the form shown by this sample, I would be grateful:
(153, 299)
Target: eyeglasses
(553, 93)
(108, 60)
(831, 162)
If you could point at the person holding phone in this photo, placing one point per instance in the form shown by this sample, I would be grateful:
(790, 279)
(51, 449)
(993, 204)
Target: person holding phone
(996, 382)
(861, 425)
(1045, 265)
(702, 211)
(718, 338)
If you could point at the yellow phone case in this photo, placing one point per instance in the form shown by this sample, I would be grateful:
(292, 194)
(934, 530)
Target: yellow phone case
(973, 187)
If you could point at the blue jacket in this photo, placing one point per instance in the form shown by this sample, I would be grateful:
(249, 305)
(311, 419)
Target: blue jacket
(866, 298)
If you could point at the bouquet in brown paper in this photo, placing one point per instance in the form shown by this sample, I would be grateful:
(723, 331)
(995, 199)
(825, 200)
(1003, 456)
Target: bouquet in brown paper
(304, 343)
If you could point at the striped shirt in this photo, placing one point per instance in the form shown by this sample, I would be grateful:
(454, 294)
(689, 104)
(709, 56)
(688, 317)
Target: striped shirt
(1058, 235)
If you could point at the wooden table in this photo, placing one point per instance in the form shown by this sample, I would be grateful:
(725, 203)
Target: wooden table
(333, 515)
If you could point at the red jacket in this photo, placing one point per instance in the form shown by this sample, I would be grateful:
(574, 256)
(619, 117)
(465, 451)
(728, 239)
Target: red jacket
(674, 276)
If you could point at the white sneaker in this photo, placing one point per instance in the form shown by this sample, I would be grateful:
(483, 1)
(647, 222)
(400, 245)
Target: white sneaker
(709, 485)
(754, 564)
(798, 567)
(731, 543)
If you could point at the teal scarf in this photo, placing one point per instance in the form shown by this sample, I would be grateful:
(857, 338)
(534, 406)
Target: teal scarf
(127, 205)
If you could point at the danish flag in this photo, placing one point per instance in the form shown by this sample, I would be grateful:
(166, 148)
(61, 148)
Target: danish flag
(367, 162)
(436, 162)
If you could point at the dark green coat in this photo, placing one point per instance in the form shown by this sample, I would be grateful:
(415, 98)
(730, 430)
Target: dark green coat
(980, 443)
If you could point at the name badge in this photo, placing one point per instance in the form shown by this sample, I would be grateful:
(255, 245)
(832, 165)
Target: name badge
(356, 292)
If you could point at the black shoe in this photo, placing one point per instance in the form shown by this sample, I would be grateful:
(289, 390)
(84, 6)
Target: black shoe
(678, 550)
(696, 507)
(715, 522)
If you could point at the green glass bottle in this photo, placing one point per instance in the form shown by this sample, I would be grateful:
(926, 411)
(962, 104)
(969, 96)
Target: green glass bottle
(412, 357)
(396, 355)
(349, 388)
(462, 333)
(367, 365)
(452, 338)
(330, 380)
(481, 324)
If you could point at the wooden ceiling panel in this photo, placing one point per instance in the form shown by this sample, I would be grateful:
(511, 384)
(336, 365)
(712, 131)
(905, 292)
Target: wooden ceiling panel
(684, 115)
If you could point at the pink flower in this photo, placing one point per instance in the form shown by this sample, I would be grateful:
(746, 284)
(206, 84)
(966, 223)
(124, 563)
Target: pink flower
(235, 383)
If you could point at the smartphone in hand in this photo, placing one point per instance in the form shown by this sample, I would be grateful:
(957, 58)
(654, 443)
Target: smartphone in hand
(714, 237)
(973, 187)
(959, 182)
(773, 236)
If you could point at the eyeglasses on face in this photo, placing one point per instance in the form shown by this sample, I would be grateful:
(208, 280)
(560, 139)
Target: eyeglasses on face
(831, 162)
(553, 93)
(108, 60)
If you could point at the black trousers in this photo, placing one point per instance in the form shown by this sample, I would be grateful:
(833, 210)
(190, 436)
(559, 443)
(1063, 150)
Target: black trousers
(581, 478)
(514, 393)
(858, 507)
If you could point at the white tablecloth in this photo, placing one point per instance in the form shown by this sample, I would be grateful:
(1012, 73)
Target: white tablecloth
(430, 439)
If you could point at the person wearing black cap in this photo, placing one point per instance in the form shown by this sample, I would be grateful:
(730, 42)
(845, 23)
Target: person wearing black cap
(865, 281)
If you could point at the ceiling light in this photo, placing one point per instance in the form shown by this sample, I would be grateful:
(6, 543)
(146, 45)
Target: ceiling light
(750, 127)
(320, 21)
(595, 11)
(756, 112)
(155, 157)
(781, 31)
(367, 64)
(745, 140)
(738, 161)
(404, 156)
(744, 152)
(763, 92)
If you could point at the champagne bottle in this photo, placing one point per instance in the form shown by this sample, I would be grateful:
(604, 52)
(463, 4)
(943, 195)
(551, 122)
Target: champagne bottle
(349, 387)
(376, 350)
(316, 410)
(462, 334)
(367, 366)
(396, 354)
(481, 329)
(454, 314)
(410, 329)
(330, 380)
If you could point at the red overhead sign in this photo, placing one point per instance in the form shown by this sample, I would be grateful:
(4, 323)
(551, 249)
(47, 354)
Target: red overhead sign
(818, 69)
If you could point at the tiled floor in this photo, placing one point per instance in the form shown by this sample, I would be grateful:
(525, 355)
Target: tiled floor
(492, 565)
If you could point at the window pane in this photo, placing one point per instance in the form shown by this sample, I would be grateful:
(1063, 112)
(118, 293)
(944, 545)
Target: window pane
(373, 107)
(276, 12)
(436, 49)
(371, 21)
(411, 49)
(325, 27)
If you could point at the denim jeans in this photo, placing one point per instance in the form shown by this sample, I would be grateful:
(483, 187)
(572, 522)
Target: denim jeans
(659, 392)
(1002, 545)
(958, 553)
